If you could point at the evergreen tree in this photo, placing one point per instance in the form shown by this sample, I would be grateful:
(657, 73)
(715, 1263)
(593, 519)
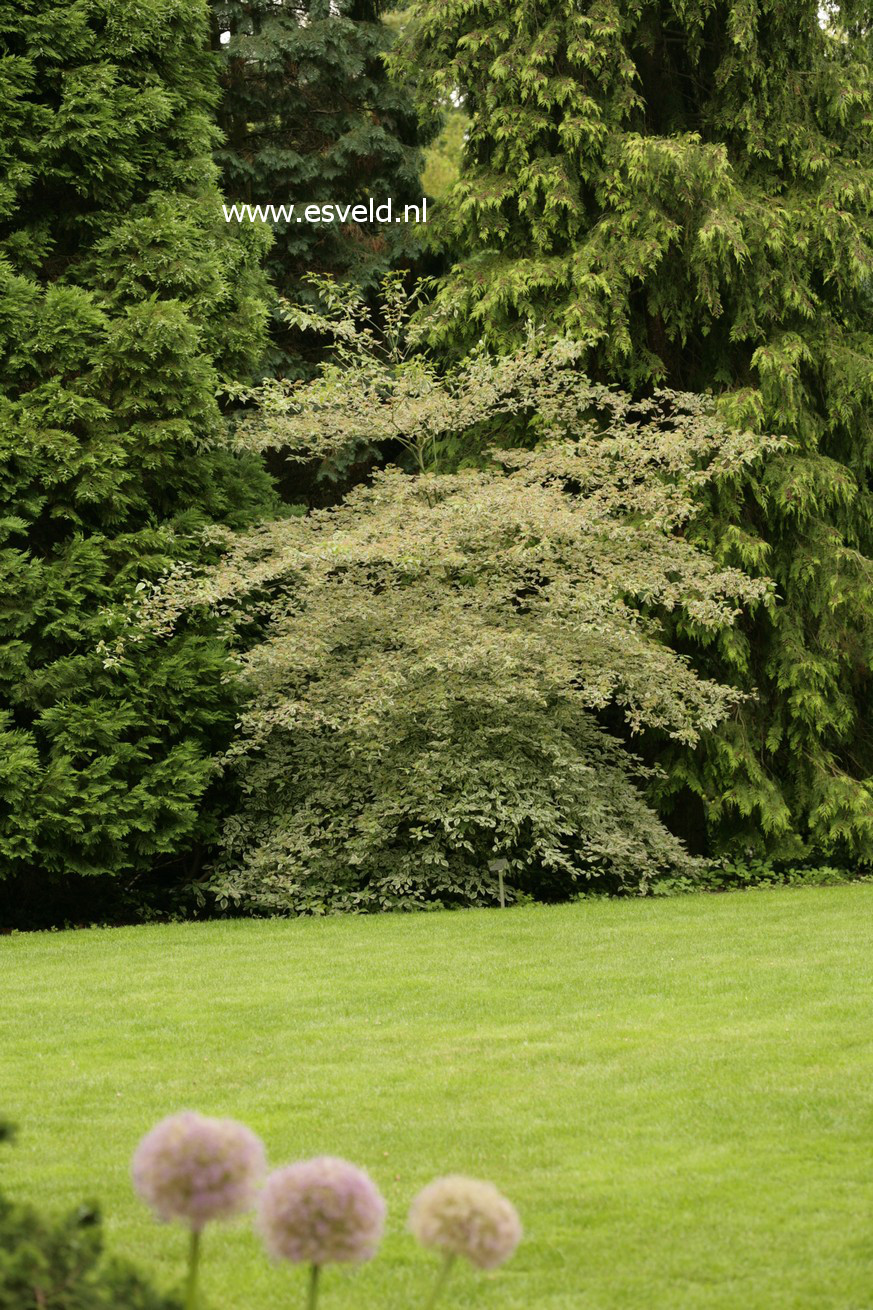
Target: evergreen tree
(125, 301)
(685, 187)
(311, 116)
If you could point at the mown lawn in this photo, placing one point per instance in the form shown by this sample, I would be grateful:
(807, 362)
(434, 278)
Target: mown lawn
(678, 1095)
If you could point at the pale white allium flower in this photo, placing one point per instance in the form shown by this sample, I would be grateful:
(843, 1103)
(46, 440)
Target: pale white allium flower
(466, 1217)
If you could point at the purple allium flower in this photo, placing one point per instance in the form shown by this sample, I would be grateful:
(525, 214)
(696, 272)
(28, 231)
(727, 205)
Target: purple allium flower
(462, 1216)
(322, 1211)
(193, 1168)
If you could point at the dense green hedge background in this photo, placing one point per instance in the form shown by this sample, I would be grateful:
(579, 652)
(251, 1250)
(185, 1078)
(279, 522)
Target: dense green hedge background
(681, 187)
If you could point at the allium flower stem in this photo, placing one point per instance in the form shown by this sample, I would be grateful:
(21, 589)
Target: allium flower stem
(312, 1299)
(193, 1270)
(441, 1281)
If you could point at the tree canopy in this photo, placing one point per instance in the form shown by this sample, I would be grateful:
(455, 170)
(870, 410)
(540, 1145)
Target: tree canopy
(437, 652)
(310, 115)
(684, 187)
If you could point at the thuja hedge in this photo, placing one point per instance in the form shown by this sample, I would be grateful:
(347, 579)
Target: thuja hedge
(126, 300)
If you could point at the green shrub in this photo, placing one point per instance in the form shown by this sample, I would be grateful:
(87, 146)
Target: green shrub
(732, 875)
(724, 875)
(445, 652)
(57, 1265)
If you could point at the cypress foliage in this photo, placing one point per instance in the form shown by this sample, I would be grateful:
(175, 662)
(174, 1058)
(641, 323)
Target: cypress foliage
(311, 116)
(125, 300)
(685, 187)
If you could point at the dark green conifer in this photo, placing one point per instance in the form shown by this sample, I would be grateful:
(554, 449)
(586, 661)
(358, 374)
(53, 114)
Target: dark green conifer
(686, 186)
(311, 116)
(125, 299)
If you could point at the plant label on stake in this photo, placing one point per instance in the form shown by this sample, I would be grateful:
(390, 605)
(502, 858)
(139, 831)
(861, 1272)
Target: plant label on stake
(497, 866)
